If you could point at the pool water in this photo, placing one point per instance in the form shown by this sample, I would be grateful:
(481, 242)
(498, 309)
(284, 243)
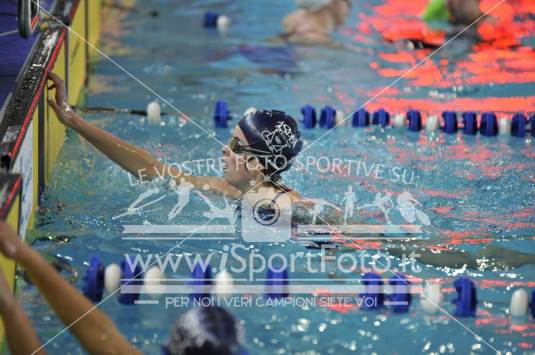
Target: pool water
(477, 192)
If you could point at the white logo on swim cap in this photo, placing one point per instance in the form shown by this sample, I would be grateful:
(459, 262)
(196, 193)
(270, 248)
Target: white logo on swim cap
(282, 137)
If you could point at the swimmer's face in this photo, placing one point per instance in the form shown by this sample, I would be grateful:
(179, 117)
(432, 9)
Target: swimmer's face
(240, 168)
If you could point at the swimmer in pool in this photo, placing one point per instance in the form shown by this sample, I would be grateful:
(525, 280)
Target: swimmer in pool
(314, 21)
(262, 147)
(206, 331)
(456, 12)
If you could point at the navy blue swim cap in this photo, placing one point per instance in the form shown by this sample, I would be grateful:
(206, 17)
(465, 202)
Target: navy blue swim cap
(205, 331)
(275, 136)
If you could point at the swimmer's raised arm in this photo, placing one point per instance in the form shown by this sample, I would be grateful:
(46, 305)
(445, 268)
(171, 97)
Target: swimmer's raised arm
(137, 161)
(95, 331)
(20, 335)
(130, 157)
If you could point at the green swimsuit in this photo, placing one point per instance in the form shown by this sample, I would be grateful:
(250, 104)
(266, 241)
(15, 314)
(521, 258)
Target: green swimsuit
(436, 11)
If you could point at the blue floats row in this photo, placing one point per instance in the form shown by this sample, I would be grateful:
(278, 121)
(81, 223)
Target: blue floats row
(361, 118)
(489, 125)
(327, 117)
(401, 298)
(374, 298)
(465, 300)
(97, 279)
(276, 283)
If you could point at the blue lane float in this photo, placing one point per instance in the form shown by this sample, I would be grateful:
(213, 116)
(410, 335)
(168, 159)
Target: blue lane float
(210, 19)
(450, 122)
(221, 114)
(94, 279)
(361, 118)
(373, 298)
(466, 300)
(519, 125)
(415, 120)
(277, 282)
(327, 117)
(309, 116)
(532, 120)
(401, 298)
(131, 278)
(381, 118)
(469, 123)
(201, 282)
(489, 125)
(532, 304)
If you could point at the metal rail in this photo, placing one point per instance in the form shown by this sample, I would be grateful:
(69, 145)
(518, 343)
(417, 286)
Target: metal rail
(28, 16)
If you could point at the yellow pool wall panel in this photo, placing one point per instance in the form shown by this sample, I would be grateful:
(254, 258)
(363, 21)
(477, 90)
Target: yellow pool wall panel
(93, 20)
(77, 53)
(8, 266)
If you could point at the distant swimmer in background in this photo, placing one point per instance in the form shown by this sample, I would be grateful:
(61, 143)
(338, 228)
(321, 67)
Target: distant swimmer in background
(312, 24)
(315, 21)
(456, 12)
(476, 26)
(443, 19)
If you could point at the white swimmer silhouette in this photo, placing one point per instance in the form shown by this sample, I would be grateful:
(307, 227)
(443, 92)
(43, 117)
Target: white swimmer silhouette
(135, 209)
(183, 191)
(228, 212)
(381, 202)
(350, 199)
(318, 208)
(407, 208)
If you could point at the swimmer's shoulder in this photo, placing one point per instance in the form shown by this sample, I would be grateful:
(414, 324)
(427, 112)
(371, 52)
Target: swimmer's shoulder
(293, 18)
(294, 195)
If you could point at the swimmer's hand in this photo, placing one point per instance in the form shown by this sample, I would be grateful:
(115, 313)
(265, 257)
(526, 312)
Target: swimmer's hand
(60, 105)
(11, 244)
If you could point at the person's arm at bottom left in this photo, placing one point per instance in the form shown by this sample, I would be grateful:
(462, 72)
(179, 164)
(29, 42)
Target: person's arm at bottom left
(20, 335)
(95, 331)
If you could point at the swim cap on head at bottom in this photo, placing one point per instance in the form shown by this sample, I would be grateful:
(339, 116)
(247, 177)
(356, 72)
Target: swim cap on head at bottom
(275, 138)
(205, 331)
